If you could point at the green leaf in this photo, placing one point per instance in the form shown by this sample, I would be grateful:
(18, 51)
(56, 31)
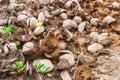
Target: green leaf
(47, 68)
(18, 43)
(10, 27)
(19, 64)
(14, 66)
(7, 29)
(19, 29)
(3, 28)
(39, 66)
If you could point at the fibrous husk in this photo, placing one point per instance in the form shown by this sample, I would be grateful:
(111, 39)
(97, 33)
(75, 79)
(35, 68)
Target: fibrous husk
(83, 72)
(50, 45)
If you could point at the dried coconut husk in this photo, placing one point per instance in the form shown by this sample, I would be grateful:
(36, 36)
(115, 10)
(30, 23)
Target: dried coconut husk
(34, 5)
(50, 42)
(83, 72)
(115, 42)
(49, 45)
(53, 54)
(88, 7)
(116, 25)
(116, 28)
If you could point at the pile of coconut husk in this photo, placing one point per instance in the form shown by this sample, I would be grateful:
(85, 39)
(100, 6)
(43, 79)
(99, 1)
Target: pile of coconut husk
(75, 39)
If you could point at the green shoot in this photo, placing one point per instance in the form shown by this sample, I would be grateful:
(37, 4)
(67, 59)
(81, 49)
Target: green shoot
(18, 43)
(14, 66)
(47, 68)
(17, 64)
(41, 66)
(7, 29)
(19, 29)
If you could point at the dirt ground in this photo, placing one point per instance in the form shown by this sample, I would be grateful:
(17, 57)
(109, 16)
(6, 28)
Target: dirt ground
(59, 39)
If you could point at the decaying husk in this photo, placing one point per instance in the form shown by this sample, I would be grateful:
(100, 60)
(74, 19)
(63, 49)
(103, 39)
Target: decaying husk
(83, 72)
(50, 45)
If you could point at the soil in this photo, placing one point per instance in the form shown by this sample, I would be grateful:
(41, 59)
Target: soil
(80, 39)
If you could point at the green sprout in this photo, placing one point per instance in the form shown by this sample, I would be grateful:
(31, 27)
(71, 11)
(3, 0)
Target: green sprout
(19, 29)
(18, 43)
(7, 29)
(41, 66)
(17, 65)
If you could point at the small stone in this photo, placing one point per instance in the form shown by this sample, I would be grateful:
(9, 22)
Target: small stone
(68, 24)
(68, 4)
(77, 19)
(103, 38)
(3, 22)
(28, 48)
(13, 1)
(94, 36)
(22, 17)
(49, 75)
(108, 19)
(62, 1)
(32, 21)
(46, 62)
(6, 50)
(69, 57)
(94, 21)
(0, 50)
(43, 1)
(101, 1)
(94, 47)
(38, 30)
(115, 4)
(12, 46)
(63, 15)
(41, 17)
(12, 6)
(81, 26)
(47, 14)
(65, 75)
(58, 11)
